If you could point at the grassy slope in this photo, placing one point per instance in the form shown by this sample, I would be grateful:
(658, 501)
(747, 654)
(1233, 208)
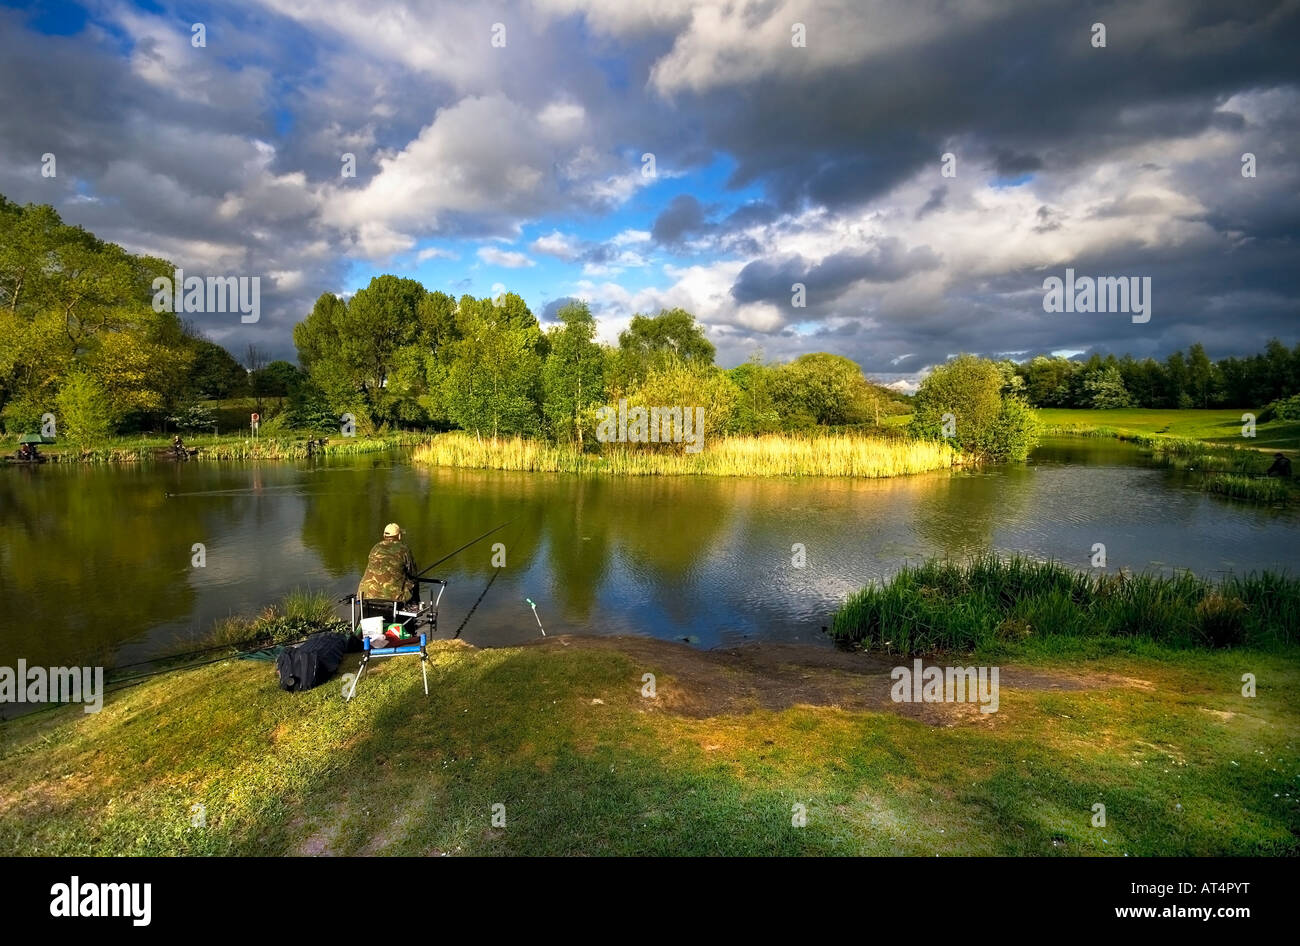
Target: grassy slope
(560, 735)
(1214, 426)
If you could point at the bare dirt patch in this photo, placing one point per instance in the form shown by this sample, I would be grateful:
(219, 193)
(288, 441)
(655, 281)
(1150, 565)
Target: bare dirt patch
(704, 683)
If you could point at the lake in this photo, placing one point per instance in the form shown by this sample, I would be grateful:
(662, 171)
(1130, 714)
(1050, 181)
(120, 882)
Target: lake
(96, 560)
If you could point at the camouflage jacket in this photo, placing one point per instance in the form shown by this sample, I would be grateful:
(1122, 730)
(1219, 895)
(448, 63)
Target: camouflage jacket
(390, 572)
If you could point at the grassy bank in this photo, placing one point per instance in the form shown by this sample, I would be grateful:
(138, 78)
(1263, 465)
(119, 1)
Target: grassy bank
(560, 735)
(991, 602)
(153, 448)
(774, 455)
(1221, 426)
(1208, 443)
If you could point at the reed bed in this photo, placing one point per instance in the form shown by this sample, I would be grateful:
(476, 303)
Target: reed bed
(772, 455)
(244, 448)
(991, 602)
(1256, 489)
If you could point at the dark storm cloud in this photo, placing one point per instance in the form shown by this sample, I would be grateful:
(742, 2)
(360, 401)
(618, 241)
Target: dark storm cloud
(1025, 88)
(684, 217)
(763, 281)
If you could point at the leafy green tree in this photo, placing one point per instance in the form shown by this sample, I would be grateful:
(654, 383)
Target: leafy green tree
(275, 380)
(1105, 389)
(649, 341)
(491, 383)
(573, 377)
(1200, 375)
(85, 410)
(215, 373)
(675, 382)
(824, 389)
(969, 396)
(756, 411)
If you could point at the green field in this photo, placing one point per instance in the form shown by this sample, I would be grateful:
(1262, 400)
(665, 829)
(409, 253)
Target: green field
(1213, 426)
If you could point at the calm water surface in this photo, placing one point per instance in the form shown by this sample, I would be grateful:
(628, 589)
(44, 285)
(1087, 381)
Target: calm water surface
(95, 561)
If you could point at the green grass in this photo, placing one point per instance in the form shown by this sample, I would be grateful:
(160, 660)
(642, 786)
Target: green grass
(584, 765)
(296, 615)
(147, 448)
(1218, 426)
(1250, 488)
(771, 455)
(991, 601)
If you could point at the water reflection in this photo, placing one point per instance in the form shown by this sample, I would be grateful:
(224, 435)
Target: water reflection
(98, 560)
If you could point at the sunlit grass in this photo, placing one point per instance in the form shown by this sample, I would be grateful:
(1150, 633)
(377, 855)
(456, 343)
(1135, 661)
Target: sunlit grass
(228, 447)
(1221, 426)
(772, 455)
(954, 606)
(1255, 489)
(584, 765)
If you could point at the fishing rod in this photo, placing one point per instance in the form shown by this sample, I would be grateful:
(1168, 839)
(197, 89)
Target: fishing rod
(495, 572)
(464, 547)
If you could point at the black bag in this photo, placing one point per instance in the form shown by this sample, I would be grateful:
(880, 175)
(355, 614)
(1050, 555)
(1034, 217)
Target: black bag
(312, 662)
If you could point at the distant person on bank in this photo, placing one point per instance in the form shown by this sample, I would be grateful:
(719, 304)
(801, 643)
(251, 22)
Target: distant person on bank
(1281, 466)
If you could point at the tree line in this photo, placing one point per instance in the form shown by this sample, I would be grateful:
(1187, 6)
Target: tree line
(397, 354)
(79, 338)
(1180, 381)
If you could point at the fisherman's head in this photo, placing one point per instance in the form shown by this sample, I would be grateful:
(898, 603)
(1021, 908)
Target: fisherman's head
(392, 531)
(1279, 456)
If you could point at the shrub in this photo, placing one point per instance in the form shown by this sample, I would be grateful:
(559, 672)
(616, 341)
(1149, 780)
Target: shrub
(989, 419)
(84, 413)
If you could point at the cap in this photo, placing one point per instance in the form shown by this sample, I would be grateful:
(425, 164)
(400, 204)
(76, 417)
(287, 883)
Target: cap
(392, 529)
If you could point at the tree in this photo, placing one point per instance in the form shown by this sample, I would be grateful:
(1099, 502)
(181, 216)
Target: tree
(969, 396)
(650, 341)
(1200, 375)
(1105, 389)
(573, 377)
(492, 377)
(756, 409)
(821, 388)
(215, 373)
(1175, 378)
(675, 382)
(274, 380)
(85, 411)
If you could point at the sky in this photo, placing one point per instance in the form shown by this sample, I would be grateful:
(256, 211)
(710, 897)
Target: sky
(664, 153)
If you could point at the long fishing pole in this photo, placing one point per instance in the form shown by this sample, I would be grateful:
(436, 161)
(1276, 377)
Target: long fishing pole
(464, 547)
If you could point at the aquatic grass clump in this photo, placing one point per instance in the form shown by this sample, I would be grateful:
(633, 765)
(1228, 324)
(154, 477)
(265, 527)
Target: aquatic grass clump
(1256, 489)
(297, 614)
(942, 605)
(770, 455)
